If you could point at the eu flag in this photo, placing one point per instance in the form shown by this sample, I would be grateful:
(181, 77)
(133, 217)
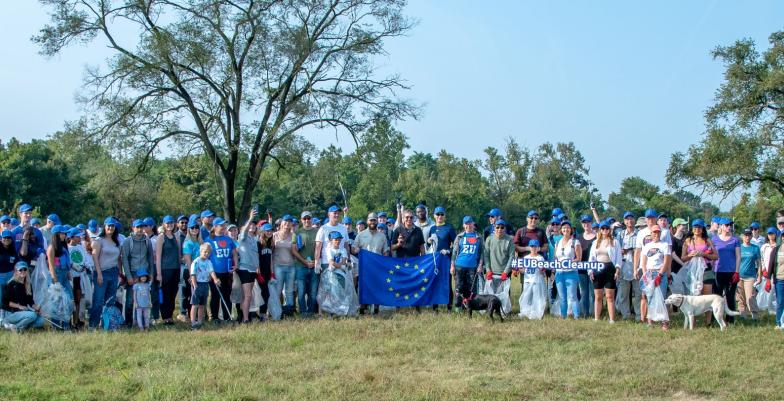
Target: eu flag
(418, 281)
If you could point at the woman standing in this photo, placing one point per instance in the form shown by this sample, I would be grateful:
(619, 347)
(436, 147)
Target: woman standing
(59, 259)
(698, 245)
(605, 250)
(728, 264)
(283, 262)
(190, 251)
(567, 280)
(750, 273)
(248, 250)
(168, 254)
(264, 274)
(655, 258)
(20, 310)
(586, 239)
(106, 258)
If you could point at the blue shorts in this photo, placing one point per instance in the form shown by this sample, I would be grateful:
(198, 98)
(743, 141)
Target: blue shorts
(199, 296)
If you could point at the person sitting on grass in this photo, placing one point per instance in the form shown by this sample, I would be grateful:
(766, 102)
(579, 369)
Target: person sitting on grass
(20, 310)
(201, 272)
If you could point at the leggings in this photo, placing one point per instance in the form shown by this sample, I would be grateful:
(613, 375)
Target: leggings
(215, 296)
(169, 286)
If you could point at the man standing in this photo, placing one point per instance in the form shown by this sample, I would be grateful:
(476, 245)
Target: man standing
(137, 253)
(51, 221)
(498, 254)
(628, 287)
(304, 253)
(422, 220)
(466, 260)
(440, 238)
(756, 238)
(644, 237)
(407, 238)
(207, 217)
(372, 240)
(25, 215)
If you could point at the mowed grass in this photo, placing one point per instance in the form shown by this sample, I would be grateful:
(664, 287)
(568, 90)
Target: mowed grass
(405, 357)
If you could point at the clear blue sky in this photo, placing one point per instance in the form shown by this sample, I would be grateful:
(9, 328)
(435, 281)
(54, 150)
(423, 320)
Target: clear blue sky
(627, 82)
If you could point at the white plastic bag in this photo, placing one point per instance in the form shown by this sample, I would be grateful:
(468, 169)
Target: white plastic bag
(274, 308)
(501, 290)
(693, 273)
(533, 300)
(336, 293)
(657, 311)
(40, 280)
(764, 297)
(236, 289)
(57, 304)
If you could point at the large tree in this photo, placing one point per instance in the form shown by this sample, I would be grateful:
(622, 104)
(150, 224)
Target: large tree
(233, 78)
(744, 142)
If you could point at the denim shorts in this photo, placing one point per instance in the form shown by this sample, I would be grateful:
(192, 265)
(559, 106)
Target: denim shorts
(199, 296)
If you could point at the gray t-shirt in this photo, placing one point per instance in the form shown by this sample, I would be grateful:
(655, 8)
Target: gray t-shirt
(248, 249)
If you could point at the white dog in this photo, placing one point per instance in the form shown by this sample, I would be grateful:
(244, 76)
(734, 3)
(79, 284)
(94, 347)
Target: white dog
(693, 305)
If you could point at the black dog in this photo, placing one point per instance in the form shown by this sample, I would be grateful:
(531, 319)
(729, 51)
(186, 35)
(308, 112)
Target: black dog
(487, 302)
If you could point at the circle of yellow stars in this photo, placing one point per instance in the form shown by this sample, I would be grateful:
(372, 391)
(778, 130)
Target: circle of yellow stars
(416, 294)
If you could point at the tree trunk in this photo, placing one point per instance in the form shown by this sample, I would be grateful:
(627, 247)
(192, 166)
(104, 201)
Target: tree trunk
(229, 212)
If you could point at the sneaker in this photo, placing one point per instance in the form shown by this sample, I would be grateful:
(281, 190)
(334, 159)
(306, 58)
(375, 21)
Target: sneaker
(612, 321)
(182, 318)
(665, 326)
(778, 327)
(11, 327)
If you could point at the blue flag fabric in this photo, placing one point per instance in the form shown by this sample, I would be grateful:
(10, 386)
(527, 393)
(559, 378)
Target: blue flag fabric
(418, 281)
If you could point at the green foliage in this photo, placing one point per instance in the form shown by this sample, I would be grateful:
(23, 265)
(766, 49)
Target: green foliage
(635, 195)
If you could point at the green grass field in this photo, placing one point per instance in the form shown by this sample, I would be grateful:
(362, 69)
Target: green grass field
(406, 357)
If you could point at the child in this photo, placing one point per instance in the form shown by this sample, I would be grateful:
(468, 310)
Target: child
(534, 297)
(336, 253)
(201, 272)
(142, 299)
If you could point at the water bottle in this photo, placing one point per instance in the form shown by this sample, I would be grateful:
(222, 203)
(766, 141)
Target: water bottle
(299, 242)
(160, 296)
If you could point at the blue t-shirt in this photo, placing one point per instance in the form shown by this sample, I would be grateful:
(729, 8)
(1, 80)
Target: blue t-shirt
(32, 254)
(749, 255)
(222, 250)
(191, 247)
(201, 269)
(446, 235)
(726, 252)
(468, 254)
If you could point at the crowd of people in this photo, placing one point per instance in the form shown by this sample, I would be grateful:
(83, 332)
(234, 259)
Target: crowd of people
(208, 268)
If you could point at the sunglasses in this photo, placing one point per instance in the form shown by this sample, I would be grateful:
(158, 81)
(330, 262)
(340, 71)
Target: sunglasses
(21, 270)
(499, 227)
(7, 238)
(605, 228)
(305, 218)
(409, 217)
(194, 228)
(534, 218)
(439, 214)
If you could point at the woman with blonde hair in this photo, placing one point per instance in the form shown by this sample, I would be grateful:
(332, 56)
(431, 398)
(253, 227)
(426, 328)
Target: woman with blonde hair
(605, 250)
(20, 310)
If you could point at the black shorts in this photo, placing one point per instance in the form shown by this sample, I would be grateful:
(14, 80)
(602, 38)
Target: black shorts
(246, 277)
(605, 279)
(199, 296)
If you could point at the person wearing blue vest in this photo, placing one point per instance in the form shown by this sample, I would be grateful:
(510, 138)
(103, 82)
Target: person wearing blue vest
(223, 257)
(466, 260)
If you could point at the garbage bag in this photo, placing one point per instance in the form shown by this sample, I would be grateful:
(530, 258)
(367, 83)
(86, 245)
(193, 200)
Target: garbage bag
(112, 318)
(40, 280)
(236, 289)
(680, 282)
(695, 270)
(336, 293)
(57, 304)
(764, 297)
(501, 290)
(533, 300)
(257, 300)
(657, 311)
(274, 308)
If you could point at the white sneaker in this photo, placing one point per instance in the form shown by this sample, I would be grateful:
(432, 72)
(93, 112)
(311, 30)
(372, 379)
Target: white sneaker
(777, 327)
(612, 321)
(11, 327)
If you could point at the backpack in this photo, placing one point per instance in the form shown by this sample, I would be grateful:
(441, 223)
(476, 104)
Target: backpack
(112, 315)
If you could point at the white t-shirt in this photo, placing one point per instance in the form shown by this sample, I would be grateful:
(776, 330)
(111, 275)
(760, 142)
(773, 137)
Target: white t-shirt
(336, 255)
(531, 277)
(655, 252)
(323, 236)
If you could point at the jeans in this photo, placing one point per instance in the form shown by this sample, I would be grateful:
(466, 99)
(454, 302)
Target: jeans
(628, 298)
(567, 283)
(286, 275)
(307, 284)
(102, 293)
(586, 295)
(725, 287)
(780, 301)
(24, 319)
(464, 279)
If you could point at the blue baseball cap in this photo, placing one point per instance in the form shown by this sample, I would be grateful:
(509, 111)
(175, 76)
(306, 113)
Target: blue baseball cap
(288, 218)
(360, 222)
(67, 227)
(92, 225)
(168, 219)
(715, 219)
(149, 221)
(219, 221)
(650, 213)
(181, 218)
(754, 225)
(335, 235)
(207, 213)
(333, 209)
(74, 232)
(294, 220)
(347, 220)
(21, 265)
(109, 221)
(532, 213)
(566, 223)
(468, 220)
(771, 230)
(500, 222)
(193, 221)
(382, 214)
(587, 218)
(628, 214)
(142, 272)
(7, 234)
(54, 218)
(595, 225)
(533, 242)
(494, 213)
(5, 218)
(439, 209)
(662, 215)
(24, 207)
(315, 220)
(58, 229)
(81, 226)
(557, 211)
(605, 223)
(267, 227)
(725, 221)
(137, 223)
(563, 217)
(14, 221)
(555, 220)
(390, 221)
(34, 221)
(698, 223)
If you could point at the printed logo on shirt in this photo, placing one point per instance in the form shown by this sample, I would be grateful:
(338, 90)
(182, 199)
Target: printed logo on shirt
(653, 252)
